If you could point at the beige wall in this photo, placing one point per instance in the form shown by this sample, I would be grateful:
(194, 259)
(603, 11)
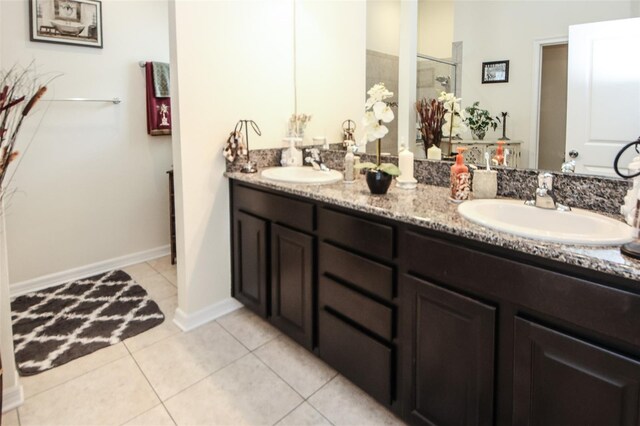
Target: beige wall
(382, 26)
(249, 75)
(435, 27)
(92, 186)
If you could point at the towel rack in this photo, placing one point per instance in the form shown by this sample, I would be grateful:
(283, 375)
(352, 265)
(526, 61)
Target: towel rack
(114, 101)
(142, 64)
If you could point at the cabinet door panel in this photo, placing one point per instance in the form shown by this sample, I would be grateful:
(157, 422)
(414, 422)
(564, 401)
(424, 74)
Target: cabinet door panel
(250, 262)
(562, 380)
(449, 368)
(291, 283)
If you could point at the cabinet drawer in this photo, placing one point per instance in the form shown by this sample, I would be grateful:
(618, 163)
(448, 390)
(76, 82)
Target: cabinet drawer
(359, 234)
(358, 357)
(592, 306)
(361, 309)
(356, 270)
(276, 208)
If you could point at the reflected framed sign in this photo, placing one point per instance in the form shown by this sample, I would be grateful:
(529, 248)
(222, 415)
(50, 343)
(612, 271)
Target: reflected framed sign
(495, 72)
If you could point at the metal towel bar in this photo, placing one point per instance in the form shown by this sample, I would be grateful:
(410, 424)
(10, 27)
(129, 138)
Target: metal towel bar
(114, 101)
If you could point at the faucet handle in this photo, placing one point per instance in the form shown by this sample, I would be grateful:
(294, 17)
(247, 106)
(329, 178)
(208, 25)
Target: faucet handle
(545, 180)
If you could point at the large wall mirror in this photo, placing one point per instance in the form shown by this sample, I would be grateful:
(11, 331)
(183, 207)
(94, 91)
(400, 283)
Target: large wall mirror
(563, 93)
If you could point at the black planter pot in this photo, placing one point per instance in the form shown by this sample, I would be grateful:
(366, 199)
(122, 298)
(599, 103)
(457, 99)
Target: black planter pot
(378, 181)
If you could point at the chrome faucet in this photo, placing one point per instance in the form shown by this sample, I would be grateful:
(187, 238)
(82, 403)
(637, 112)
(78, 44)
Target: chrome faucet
(545, 197)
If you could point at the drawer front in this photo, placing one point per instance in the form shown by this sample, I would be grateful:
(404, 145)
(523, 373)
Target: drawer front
(359, 358)
(356, 270)
(359, 234)
(368, 313)
(297, 214)
(594, 307)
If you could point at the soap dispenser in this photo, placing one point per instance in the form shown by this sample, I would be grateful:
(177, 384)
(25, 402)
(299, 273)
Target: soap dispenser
(291, 156)
(349, 166)
(460, 179)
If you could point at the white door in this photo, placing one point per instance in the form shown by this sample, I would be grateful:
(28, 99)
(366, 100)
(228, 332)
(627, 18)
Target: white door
(603, 93)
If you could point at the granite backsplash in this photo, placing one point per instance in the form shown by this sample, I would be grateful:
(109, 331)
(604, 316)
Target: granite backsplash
(596, 193)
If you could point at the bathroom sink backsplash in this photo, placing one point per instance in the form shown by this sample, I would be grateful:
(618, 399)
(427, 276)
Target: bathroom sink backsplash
(600, 194)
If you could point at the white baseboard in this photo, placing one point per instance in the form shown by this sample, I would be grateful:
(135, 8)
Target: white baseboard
(39, 283)
(12, 397)
(188, 322)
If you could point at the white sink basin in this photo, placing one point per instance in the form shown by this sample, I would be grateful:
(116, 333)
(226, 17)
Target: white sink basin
(304, 175)
(574, 227)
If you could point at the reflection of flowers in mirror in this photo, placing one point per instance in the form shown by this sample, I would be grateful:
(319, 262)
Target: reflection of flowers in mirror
(453, 117)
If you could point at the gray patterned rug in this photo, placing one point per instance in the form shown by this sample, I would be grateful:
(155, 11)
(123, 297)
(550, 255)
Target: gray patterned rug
(54, 326)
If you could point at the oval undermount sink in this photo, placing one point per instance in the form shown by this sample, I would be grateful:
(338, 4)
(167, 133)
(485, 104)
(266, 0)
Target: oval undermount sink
(306, 175)
(574, 227)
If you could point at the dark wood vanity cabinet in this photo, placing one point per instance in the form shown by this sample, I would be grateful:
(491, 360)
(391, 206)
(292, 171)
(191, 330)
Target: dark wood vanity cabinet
(292, 257)
(250, 261)
(357, 319)
(442, 330)
(561, 380)
(449, 355)
(273, 263)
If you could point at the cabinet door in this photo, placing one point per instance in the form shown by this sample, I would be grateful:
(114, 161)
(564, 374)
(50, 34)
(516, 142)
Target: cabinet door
(250, 262)
(560, 380)
(448, 364)
(291, 283)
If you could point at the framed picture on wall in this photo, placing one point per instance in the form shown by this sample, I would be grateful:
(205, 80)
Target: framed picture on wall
(495, 72)
(76, 22)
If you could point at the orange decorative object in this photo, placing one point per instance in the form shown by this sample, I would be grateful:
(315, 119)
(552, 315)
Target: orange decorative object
(498, 159)
(460, 179)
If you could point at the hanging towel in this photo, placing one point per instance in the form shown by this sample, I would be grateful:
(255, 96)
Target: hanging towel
(161, 82)
(158, 100)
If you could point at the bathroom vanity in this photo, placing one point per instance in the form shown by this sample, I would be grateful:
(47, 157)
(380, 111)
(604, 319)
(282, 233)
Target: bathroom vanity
(442, 321)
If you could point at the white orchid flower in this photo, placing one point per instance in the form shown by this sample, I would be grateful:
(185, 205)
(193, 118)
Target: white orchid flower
(369, 118)
(379, 93)
(382, 112)
(458, 125)
(376, 131)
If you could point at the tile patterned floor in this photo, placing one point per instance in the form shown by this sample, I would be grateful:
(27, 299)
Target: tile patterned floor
(238, 370)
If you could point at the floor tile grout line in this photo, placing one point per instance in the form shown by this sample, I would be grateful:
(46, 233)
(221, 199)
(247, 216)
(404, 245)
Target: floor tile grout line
(83, 374)
(204, 378)
(289, 412)
(321, 387)
(152, 388)
(280, 377)
(239, 341)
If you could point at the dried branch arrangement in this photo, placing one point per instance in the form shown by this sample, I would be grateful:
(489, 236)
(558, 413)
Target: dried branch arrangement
(19, 92)
(431, 114)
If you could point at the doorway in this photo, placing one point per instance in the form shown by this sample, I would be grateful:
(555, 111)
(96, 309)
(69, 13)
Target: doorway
(552, 123)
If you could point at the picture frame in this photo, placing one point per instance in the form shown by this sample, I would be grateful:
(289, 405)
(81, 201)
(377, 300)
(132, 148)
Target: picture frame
(495, 72)
(73, 22)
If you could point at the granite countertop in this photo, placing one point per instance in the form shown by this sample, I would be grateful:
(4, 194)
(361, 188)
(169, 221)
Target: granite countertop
(428, 207)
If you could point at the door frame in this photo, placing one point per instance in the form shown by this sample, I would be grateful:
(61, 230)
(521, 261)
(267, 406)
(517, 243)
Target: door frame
(536, 77)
